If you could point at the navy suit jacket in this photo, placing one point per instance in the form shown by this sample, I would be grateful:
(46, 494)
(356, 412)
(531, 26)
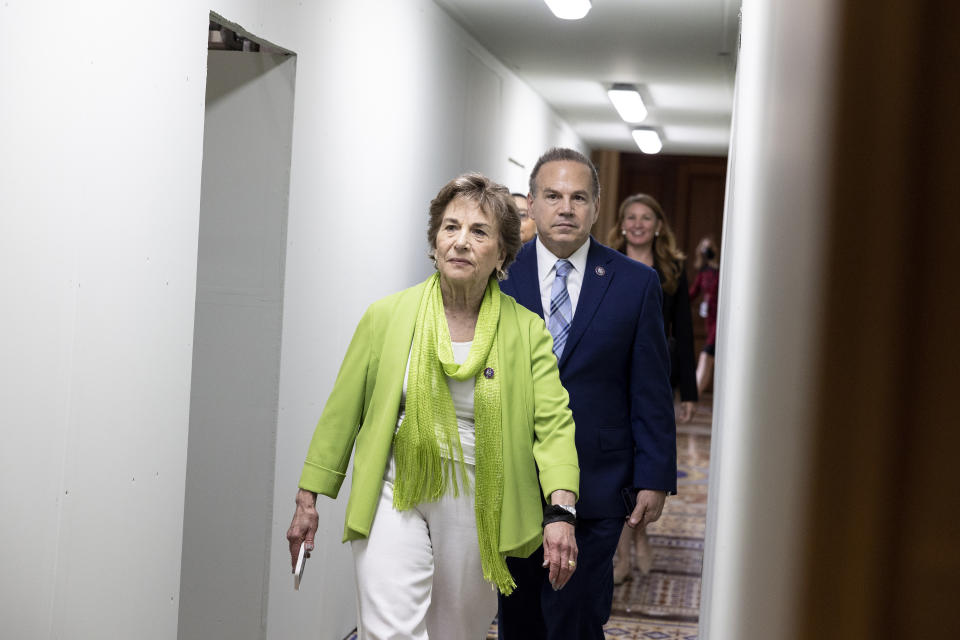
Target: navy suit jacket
(616, 368)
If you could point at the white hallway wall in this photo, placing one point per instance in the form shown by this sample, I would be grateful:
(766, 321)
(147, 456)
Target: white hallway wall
(101, 134)
(771, 312)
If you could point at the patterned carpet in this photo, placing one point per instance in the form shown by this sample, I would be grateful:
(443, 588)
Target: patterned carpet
(665, 604)
(626, 627)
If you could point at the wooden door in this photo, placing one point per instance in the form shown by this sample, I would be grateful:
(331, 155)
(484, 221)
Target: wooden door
(691, 191)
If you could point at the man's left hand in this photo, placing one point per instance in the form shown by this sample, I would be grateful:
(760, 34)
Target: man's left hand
(648, 509)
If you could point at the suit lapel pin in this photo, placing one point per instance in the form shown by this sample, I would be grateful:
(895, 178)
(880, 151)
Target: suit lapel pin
(488, 373)
(600, 271)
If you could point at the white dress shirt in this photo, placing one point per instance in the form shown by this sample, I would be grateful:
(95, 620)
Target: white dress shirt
(547, 273)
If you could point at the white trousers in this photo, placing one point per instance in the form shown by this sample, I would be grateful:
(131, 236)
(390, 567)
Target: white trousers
(419, 573)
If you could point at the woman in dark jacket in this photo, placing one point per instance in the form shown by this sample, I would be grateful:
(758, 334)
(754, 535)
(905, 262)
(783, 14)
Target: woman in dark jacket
(642, 233)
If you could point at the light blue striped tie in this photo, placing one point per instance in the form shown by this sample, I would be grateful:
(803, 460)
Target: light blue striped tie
(561, 313)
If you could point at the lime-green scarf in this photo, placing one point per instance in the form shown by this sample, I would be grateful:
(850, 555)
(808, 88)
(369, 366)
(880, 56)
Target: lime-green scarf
(430, 423)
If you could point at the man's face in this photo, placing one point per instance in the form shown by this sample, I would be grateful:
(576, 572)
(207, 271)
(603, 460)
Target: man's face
(563, 206)
(527, 228)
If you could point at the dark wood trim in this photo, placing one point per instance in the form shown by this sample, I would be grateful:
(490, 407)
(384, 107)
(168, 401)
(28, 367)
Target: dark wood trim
(882, 558)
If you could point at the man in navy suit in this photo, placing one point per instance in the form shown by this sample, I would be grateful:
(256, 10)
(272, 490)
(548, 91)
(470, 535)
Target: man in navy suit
(604, 311)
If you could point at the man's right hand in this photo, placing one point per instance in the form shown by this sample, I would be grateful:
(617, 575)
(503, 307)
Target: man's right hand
(304, 525)
(648, 509)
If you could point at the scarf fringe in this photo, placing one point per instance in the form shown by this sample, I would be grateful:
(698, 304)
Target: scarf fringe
(428, 474)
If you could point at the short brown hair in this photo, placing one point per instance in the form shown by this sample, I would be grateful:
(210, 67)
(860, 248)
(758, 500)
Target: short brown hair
(492, 198)
(558, 154)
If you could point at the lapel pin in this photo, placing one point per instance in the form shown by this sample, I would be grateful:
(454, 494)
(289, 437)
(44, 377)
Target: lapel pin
(600, 271)
(488, 373)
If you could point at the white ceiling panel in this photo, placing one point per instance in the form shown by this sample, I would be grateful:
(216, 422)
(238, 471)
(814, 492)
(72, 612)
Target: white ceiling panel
(680, 53)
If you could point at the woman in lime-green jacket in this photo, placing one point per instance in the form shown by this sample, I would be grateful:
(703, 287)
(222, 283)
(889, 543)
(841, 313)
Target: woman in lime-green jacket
(414, 435)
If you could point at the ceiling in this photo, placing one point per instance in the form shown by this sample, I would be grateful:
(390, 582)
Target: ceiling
(681, 54)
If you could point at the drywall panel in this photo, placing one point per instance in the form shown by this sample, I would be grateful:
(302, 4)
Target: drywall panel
(99, 187)
(483, 104)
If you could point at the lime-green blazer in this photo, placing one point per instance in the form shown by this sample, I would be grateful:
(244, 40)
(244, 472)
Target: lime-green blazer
(537, 426)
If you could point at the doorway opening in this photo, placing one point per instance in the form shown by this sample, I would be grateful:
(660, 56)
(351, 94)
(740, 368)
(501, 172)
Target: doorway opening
(228, 505)
(659, 572)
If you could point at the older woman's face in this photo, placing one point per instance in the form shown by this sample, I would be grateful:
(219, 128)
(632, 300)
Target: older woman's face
(468, 243)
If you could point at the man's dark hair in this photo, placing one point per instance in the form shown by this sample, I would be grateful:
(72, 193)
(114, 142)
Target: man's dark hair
(557, 154)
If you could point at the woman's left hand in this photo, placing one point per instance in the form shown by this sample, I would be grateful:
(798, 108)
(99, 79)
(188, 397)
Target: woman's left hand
(686, 412)
(559, 552)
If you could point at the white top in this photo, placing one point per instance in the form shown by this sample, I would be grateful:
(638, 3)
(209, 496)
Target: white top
(547, 273)
(462, 394)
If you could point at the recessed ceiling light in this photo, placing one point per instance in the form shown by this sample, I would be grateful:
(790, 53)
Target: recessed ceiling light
(569, 9)
(628, 103)
(647, 139)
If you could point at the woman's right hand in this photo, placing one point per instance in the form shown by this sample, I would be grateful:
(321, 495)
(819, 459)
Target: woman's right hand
(304, 525)
(560, 544)
(559, 553)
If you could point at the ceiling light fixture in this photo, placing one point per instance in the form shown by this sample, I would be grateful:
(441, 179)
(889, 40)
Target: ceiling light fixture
(569, 9)
(628, 103)
(647, 139)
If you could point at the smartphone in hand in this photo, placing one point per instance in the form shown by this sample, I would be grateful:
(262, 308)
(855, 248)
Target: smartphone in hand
(301, 563)
(629, 495)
